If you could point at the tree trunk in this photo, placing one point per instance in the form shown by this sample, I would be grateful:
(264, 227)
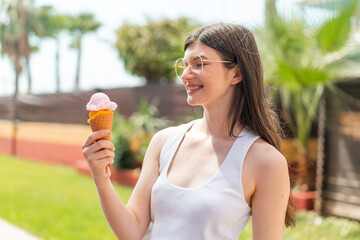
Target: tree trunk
(17, 75)
(302, 175)
(15, 96)
(270, 8)
(77, 78)
(306, 168)
(319, 176)
(28, 71)
(57, 65)
(270, 3)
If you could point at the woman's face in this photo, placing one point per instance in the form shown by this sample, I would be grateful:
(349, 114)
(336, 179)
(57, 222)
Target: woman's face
(215, 84)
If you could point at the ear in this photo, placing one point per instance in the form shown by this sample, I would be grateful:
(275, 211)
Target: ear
(237, 77)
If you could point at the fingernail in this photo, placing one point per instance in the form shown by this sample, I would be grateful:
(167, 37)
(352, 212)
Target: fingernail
(107, 131)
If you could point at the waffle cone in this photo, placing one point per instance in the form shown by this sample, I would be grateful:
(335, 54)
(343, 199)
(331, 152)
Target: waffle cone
(101, 122)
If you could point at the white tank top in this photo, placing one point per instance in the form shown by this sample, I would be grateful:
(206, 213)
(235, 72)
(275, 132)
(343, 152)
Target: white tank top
(214, 210)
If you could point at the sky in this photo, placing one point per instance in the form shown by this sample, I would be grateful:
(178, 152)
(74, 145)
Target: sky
(101, 67)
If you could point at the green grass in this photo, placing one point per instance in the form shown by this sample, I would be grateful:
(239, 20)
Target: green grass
(55, 202)
(52, 202)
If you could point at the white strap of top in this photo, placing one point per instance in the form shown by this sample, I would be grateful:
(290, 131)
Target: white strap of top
(172, 143)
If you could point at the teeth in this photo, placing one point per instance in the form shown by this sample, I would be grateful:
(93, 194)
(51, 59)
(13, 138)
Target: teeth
(192, 88)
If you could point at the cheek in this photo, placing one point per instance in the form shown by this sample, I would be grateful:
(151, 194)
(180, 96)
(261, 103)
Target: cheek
(211, 79)
(183, 82)
(213, 72)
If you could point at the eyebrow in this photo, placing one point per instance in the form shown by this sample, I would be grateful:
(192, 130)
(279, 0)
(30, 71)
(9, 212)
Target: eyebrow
(196, 56)
(202, 56)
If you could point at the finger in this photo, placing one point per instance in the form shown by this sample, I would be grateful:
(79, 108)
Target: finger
(107, 161)
(105, 153)
(103, 144)
(99, 145)
(94, 137)
(104, 163)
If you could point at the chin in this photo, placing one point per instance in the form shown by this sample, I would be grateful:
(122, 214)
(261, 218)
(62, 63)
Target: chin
(193, 102)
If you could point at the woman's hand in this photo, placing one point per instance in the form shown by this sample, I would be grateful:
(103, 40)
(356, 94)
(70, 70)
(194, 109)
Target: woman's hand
(99, 155)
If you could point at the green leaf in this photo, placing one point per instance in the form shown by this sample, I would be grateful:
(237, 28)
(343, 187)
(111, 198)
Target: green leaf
(335, 32)
(286, 75)
(312, 76)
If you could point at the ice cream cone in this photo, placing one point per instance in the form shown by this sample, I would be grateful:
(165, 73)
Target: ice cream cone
(101, 115)
(103, 121)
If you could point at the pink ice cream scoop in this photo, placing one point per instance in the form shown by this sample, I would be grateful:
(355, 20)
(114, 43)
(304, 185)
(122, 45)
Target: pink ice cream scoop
(100, 101)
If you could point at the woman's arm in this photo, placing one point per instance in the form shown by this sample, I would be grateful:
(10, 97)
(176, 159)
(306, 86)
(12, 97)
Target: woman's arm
(131, 221)
(272, 189)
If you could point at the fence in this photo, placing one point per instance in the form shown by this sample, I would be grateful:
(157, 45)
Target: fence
(340, 193)
(52, 127)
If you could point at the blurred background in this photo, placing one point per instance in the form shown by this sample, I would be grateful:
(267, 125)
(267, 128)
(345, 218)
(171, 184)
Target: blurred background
(56, 54)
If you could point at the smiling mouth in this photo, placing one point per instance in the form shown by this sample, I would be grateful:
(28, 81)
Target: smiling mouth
(194, 87)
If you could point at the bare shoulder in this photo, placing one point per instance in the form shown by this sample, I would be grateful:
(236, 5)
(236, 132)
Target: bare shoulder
(265, 160)
(150, 165)
(157, 143)
(161, 136)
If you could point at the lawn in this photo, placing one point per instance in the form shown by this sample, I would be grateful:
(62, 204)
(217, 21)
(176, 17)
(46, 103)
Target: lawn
(52, 202)
(55, 202)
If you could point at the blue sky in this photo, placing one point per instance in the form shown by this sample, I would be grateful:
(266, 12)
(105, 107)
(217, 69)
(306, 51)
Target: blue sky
(101, 66)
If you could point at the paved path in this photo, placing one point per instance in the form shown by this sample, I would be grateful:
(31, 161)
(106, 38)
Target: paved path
(12, 232)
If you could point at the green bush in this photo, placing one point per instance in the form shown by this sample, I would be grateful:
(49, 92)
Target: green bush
(131, 136)
(123, 156)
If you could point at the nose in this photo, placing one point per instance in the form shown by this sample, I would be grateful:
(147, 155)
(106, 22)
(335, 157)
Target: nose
(188, 73)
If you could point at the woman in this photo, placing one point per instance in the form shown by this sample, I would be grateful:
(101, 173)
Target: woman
(203, 180)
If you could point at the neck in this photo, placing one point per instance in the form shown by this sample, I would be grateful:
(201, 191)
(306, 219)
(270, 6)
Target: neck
(215, 122)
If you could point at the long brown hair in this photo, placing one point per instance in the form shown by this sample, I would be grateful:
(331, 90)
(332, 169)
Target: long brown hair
(249, 107)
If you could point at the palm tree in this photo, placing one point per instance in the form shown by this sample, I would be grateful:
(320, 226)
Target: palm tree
(79, 26)
(14, 40)
(48, 24)
(302, 60)
(15, 37)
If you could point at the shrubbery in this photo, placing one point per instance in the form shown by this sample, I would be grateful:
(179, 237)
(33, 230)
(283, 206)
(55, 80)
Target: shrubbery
(131, 136)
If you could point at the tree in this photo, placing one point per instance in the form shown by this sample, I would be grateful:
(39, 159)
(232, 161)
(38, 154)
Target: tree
(79, 26)
(301, 61)
(22, 21)
(14, 37)
(46, 23)
(150, 51)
